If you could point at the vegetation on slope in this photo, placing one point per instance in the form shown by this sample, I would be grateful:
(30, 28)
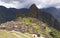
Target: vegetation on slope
(5, 34)
(54, 33)
(33, 28)
(38, 28)
(15, 34)
(49, 30)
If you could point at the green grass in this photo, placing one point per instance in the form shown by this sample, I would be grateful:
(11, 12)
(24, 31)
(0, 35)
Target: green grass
(5, 34)
(37, 27)
(8, 34)
(55, 33)
(30, 35)
(22, 35)
(27, 20)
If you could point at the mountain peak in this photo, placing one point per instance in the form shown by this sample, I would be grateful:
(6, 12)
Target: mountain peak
(33, 6)
(33, 11)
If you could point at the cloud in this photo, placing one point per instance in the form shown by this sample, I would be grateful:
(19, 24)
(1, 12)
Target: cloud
(16, 3)
(27, 3)
(8, 5)
(47, 3)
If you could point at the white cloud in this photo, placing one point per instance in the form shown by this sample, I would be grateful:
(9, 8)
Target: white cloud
(8, 5)
(16, 4)
(27, 3)
(47, 3)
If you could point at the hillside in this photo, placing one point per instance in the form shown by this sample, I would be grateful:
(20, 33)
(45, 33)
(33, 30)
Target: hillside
(54, 11)
(32, 24)
(27, 25)
(44, 16)
(14, 34)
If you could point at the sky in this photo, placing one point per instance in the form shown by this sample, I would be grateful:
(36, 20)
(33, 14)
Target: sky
(27, 3)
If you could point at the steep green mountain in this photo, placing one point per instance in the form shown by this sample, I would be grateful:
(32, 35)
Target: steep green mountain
(44, 16)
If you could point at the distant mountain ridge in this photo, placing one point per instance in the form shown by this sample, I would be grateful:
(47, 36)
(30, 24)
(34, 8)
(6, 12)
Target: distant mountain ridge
(7, 14)
(54, 11)
(44, 16)
(33, 11)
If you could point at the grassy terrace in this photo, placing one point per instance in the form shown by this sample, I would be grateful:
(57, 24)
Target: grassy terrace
(40, 31)
(37, 27)
(7, 34)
